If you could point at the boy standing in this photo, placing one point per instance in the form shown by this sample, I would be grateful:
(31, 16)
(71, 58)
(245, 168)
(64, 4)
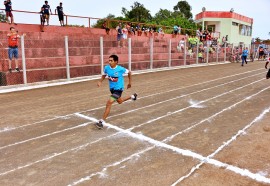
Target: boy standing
(60, 13)
(8, 9)
(115, 75)
(13, 41)
(47, 10)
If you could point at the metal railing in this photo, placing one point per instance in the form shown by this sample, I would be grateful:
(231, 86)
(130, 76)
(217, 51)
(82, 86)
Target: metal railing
(67, 58)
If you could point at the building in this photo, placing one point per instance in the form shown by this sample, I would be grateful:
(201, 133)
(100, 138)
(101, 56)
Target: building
(236, 27)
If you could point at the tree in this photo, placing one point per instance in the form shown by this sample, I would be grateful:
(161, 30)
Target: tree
(2, 17)
(183, 9)
(137, 13)
(162, 14)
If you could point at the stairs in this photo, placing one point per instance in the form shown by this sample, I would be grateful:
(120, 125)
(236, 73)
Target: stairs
(46, 57)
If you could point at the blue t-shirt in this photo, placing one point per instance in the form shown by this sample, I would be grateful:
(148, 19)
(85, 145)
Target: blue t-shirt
(116, 76)
(245, 53)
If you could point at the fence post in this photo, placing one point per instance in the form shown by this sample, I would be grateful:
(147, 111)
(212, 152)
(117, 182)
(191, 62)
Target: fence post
(217, 52)
(66, 20)
(89, 23)
(67, 58)
(185, 53)
(225, 48)
(23, 60)
(151, 52)
(129, 54)
(197, 52)
(101, 55)
(207, 54)
(170, 53)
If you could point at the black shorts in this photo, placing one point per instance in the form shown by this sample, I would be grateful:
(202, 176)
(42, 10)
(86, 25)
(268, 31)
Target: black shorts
(116, 94)
(268, 74)
(261, 53)
(61, 17)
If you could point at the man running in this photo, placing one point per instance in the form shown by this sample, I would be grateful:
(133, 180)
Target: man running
(115, 75)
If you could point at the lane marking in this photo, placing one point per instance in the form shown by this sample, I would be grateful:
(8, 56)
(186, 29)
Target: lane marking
(8, 129)
(88, 144)
(150, 121)
(89, 78)
(188, 153)
(243, 172)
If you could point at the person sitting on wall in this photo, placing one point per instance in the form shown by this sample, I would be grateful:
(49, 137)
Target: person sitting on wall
(105, 26)
(42, 19)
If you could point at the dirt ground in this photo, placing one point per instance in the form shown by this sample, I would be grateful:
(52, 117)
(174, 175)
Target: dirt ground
(206, 126)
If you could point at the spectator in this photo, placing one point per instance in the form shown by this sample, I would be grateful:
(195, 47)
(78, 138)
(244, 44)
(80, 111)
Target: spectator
(261, 53)
(105, 26)
(125, 34)
(244, 56)
(42, 19)
(8, 9)
(179, 30)
(139, 30)
(175, 30)
(47, 10)
(199, 34)
(60, 13)
(160, 31)
(181, 45)
(13, 41)
(119, 34)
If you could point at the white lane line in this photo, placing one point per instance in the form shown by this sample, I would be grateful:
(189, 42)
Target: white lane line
(78, 80)
(87, 144)
(237, 170)
(188, 153)
(56, 155)
(177, 97)
(214, 115)
(45, 135)
(150, 121)
(191, 106)
(7, 129)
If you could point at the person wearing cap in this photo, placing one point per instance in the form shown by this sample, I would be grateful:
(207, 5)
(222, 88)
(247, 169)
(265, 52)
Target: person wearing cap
(60, 13)
(47, 10)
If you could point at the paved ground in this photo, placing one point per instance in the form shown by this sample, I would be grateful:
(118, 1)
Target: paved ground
(206, 126)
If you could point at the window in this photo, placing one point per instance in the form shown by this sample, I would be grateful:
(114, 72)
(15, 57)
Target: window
(234, 24)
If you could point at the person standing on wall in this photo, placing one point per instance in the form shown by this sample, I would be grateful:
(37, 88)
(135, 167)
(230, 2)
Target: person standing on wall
(60, 13)
(47, 10)
(42, 19)
(8, 9)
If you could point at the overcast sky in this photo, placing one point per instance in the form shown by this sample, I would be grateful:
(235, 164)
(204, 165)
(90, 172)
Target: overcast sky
(258, 10)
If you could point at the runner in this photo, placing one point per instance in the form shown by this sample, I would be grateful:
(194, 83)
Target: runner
(115, 75)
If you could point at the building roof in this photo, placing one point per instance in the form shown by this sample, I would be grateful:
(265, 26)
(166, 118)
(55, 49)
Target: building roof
(223, 14)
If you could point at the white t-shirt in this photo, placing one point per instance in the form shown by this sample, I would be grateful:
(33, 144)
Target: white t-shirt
(181, 43)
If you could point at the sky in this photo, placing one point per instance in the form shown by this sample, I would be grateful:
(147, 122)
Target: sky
(258, 10)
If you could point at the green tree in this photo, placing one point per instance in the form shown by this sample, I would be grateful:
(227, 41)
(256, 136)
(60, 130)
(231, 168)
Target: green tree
(2, 17)
(137, 13)
(183, 9)
(258, 40)
(162, 14)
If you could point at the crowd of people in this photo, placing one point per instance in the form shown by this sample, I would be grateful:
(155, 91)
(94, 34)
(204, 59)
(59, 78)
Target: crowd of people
(45, 13)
